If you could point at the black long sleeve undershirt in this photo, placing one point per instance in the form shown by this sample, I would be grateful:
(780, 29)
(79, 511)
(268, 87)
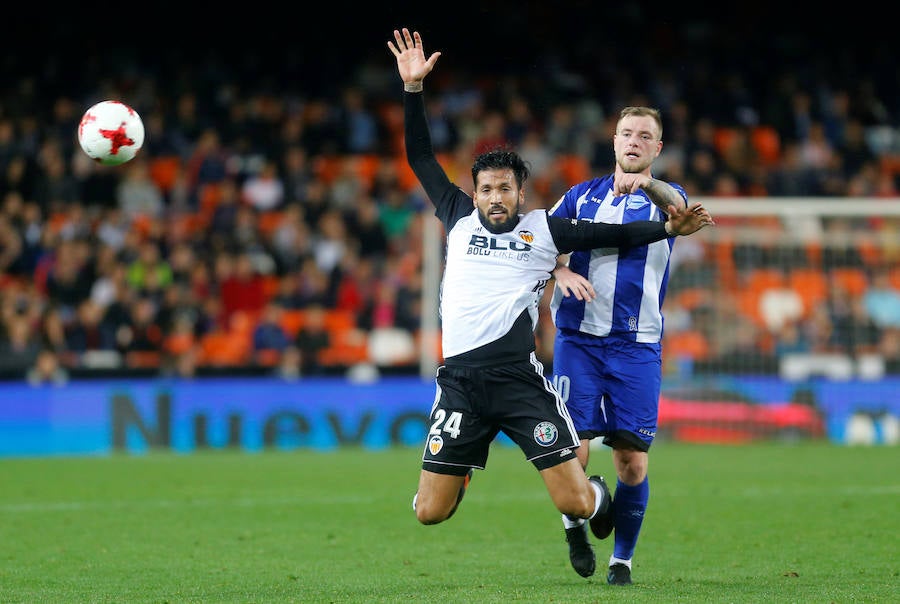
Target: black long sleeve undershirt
(419, 151)
(577, 235)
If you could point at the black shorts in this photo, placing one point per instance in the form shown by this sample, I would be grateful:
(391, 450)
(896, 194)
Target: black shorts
(473, 404)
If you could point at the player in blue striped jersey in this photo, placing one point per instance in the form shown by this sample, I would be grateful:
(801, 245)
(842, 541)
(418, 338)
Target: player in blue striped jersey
(607, 361)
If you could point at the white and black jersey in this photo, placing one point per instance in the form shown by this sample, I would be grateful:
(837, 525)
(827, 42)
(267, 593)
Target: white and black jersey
(493, 282)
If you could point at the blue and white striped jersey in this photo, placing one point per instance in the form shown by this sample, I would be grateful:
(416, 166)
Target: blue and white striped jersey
(630, 284)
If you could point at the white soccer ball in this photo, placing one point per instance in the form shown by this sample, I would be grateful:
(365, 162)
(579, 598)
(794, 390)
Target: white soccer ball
(111, 133)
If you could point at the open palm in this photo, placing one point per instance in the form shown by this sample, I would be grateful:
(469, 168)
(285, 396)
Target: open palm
(409, 51)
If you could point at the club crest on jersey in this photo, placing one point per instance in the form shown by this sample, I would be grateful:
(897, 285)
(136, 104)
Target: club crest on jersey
(526, 236)
(435, 444)
(635, 201)
(545, 434)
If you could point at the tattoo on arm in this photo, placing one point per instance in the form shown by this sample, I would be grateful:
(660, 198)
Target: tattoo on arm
(663, 195)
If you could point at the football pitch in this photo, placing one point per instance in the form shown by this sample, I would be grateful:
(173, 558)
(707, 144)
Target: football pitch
(812, 522)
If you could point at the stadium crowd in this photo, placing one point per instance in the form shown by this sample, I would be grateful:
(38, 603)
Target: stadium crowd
(277, 228)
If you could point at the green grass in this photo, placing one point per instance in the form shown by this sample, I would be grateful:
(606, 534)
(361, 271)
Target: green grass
(762, 523)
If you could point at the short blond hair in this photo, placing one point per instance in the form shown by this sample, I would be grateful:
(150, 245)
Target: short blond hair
(642, 112)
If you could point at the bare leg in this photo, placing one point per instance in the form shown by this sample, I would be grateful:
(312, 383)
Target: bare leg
(436, 497)
(570, 489)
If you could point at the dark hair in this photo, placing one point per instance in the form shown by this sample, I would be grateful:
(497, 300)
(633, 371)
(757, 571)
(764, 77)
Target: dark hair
(501, 159)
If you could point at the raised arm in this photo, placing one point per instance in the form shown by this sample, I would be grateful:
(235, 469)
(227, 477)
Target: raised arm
(449, 200)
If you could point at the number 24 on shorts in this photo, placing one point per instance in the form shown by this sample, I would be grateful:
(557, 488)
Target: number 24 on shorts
(450, 426)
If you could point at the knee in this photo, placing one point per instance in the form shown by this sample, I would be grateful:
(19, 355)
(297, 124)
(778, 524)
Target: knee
(631, 468)
(426, 518)
(580, 504)
(426, 512)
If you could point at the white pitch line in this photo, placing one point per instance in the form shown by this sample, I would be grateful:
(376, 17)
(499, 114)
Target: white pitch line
(79, 506)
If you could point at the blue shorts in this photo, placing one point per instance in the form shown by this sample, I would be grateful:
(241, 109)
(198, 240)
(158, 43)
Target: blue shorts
(610, 386)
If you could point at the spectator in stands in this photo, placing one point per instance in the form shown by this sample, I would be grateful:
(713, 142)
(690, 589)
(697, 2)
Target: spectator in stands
(357, 124)
(291, 240)
(137, 194)
(113, 228)
(18, 176)
(264, 190)
(539, 156)
(348, 185)
(289, 364)
(356, 283)
(180, 347)
(268, 334)
(315, 286)
(19, 350)
(69, 279)
(780, 307)
(176, 301)
(141, 333)
(408, 312)
(444, 130)
(47, 369)
(791, 339)
(241, 287)
(366, 227)
(396, 213)
(840, 249)
(331, 242)
(852, 330)
(208, 163)
(222, 205)
(854, 150)
(51, 328)
(249, 240)
(382, 310)
(84, 332)
(287, 295)
(296, 173)
(29, 223)
(882, 301)
(182, 259)
(57, 188)
(150, 272)
(322, 131)
(12, 247)
(312, 338)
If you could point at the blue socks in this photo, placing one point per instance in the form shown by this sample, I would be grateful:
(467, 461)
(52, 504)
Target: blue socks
(630, 504)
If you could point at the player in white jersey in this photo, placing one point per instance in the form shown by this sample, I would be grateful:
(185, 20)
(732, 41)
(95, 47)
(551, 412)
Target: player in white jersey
(498, 261)
(607, 311)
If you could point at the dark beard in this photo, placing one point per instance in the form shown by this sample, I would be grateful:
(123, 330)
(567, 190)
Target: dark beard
(504, 227)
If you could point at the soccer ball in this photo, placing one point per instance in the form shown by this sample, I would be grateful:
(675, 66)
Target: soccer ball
(111, 133)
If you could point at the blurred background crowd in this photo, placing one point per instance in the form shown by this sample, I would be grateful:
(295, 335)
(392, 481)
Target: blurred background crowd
(270, 223)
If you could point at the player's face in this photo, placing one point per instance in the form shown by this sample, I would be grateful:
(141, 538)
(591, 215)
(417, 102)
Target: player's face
(498, 199)
(636, 143)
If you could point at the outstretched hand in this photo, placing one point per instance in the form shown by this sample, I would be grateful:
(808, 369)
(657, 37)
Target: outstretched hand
(689, 220)
(571, 283)
(410, 53)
